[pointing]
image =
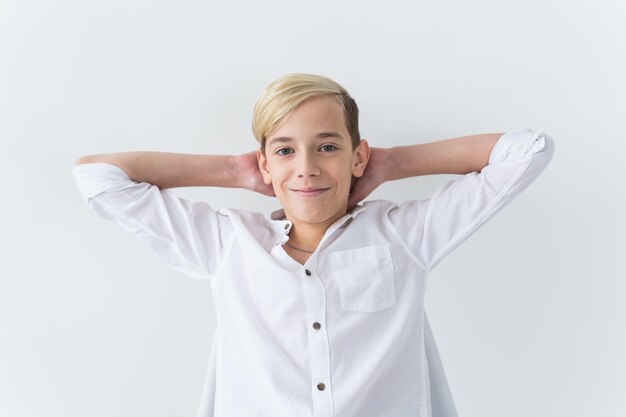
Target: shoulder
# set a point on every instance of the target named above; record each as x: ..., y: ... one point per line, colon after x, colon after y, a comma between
x: 246, y: 222
x: 384, y: 206
x: 246, y: 216
x: 410, y: 212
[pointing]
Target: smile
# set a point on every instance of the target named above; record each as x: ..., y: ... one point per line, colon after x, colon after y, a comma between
x: 312, y: 193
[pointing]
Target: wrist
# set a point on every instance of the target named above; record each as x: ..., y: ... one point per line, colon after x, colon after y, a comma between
x: 245, y: 172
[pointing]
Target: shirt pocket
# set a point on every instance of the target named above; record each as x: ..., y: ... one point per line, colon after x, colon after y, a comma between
x: 364, y: 278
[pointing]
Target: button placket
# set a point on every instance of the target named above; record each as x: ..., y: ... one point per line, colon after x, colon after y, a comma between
x: 319, y: 345
x: 316, y: 325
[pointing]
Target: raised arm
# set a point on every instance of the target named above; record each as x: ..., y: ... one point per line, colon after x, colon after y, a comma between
x: 433, y: 227
x: 171, y: 170
x: 131, y: 189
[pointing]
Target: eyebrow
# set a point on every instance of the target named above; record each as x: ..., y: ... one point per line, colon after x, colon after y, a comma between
x: 318, y: 136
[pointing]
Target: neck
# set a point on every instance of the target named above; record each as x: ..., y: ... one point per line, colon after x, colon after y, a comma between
x: 308, y: 235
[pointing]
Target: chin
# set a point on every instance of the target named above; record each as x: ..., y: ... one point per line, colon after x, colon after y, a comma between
x: 311, y: 217
x: 308, y: 217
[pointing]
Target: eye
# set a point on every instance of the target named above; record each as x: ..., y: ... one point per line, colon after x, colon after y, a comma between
x: 282, y: 149
x: 332, y: 146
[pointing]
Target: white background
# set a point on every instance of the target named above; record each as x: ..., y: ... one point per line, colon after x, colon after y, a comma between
x: 528, y: 314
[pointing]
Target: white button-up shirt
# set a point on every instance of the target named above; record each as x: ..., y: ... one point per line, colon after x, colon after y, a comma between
x: 346, y: 333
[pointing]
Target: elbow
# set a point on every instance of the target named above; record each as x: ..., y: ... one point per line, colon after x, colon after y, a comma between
x: 83, y: 160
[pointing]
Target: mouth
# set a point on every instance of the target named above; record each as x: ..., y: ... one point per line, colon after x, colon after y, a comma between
x: 310, y: 192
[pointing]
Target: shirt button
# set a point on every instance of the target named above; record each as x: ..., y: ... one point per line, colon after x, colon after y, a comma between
x: 307, y: 272
x: 286, y: 226
x: 316, y: 326
x: 321, y: 386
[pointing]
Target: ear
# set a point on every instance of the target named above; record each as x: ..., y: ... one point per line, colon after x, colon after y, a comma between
x: 360, y: 158
x: 262, y: 160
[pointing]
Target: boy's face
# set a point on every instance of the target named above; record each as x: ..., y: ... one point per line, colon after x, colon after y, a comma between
x: 313, y: 160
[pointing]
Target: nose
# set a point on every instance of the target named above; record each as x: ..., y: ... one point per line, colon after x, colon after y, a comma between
x: 307, y: 165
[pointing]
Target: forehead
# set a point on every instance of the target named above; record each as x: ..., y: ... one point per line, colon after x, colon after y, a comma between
x: 312, y: 117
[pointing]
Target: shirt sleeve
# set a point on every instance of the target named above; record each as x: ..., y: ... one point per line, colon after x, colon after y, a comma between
x: 189, y: 236
x: 432, y: 228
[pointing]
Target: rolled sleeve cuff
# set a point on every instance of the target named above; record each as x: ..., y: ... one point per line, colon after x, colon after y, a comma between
x: 96, y: 177
x: 517, y: 143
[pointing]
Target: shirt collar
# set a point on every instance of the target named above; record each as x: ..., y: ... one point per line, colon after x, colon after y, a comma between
x: 283, y: 226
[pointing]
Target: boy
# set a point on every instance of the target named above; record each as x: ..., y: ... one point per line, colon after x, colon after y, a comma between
x: 319, y: 308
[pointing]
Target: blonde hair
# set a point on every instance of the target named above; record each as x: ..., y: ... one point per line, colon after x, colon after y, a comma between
x: 284, y: 94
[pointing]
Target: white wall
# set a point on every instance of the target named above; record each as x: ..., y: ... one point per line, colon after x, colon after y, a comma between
x: 528, y: 313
